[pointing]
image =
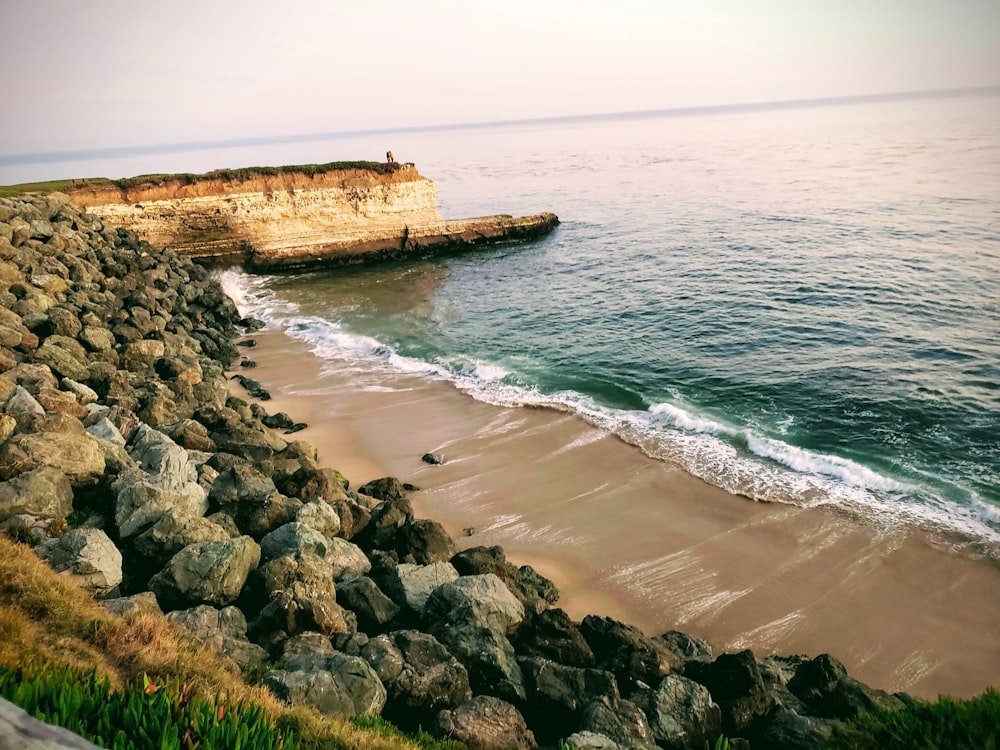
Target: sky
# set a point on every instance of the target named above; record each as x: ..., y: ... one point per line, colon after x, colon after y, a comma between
x: 105, y: 73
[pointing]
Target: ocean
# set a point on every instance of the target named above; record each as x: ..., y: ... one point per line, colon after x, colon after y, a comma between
x: 798, y: 305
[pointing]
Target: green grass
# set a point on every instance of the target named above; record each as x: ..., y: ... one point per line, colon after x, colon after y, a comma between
x: 946, y: 724
x: 232, y: 175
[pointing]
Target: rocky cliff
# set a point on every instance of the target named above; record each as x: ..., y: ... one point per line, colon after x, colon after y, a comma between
x: 292, y: 217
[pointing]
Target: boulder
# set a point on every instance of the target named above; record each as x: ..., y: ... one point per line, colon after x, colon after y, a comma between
x: 142, y: 602
x: 339, y: 686
x: 481, y: 599
x: 551, y: 634
x: 790, y: 731
x: 388, y: 489
x: 619, y: 720
x: 174, y: 531
x: 300, y: 596
x: 320, y: 516
x: 410, y: 585
x: 224, y: 631
x: 24, y: 408
x: 557, y: 695
x: 61, y: 361
x: 592, y: 741
x: 534, y: 590
x: 347, y: 559
x: 421, y: 677
x: 23, y: 732
x: 61, y: 402
x: 32, y: 377
x: 423, y: 542
x: 685, y: 646
x: 486, y: 654
x: 43, y: 492
x: 486, y: 723
x: 206, y: 573
x: 824, y: 685
x: 88, y: 556
x: 625, y: 651
x: 736, y: 685
x: 141, y: 503
x: 293, y: 539
x: 681, y: 714
x: 78, y: 456
x: 83, y: 394
x: 362, y: 596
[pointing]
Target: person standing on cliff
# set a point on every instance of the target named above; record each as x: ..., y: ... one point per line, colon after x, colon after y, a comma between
x: 389, y: 157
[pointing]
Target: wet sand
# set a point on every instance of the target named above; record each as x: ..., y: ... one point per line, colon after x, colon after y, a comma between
x: 640, y: 540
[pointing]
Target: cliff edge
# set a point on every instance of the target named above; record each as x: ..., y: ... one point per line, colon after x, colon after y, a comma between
x: 271, y: 218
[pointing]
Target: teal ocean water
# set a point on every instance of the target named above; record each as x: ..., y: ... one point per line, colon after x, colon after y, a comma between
x: 799, y: 305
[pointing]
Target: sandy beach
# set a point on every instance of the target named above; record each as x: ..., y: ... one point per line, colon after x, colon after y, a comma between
x: 643, y: 541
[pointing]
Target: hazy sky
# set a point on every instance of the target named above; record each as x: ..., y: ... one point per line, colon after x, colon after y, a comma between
x: 103, y: 73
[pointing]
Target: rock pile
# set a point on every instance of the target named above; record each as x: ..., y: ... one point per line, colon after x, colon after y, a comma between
x: 115, y: 414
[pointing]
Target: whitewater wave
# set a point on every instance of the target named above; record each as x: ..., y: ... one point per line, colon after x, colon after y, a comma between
x: 768, y: 470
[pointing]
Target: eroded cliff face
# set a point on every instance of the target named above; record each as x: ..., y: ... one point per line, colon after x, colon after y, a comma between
x: 294, y: 217
x: 211, y: 217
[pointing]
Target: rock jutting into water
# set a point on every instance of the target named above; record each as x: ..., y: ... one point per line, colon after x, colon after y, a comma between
x: 296, y: 217
x: 114, y: 406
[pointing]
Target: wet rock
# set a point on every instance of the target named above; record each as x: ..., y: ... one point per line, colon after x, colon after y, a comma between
x: 824, y: 685
x: 432, y: 458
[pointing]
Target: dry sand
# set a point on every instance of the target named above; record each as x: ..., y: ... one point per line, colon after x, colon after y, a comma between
x: 643, y: 541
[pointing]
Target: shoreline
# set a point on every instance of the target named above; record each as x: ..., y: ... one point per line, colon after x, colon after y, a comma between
x: 633, y: 538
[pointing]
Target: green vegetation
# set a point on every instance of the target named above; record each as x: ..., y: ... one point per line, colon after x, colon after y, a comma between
x: 141, y: 716
x: 232, y: 175
x: 946, y: 724
x: 49, y: 627
x: 420, y: 737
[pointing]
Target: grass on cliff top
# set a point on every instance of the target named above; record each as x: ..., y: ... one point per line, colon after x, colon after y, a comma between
x: 47, y: 621
x: 232, y: 175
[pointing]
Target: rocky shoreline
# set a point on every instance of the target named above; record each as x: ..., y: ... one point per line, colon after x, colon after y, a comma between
x: 116, y: 415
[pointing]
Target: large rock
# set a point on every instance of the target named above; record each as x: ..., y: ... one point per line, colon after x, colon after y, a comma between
x: 423, y: 542
x: 535, y: 591
x: 43, y: 492
x: 486, y: 723
x: 24, y: 407
x: 420, y: 675
x: 551, y: 634
x: 19, y: 731
x: 736, y: 685
x: 142, y: 503
x: 339, y: 685
x: 62, y: 361
x: 681, y: 714
x: 348, y: 560
x: 320, y: 516
x: 557, y: 695
x: 824, y: 685
x: 620, y: 720
x: 293, y: 539
x: 88, y: 556
x: 223, y: 630
x: 411, y: 585
x: 486, y: 654
x: 174, y: 531
x: 206, y: 573
x: 483, y: 599
x: 77, y: 455
x: 364, y: 598
x: 300, y: 596
x: 625, y: 651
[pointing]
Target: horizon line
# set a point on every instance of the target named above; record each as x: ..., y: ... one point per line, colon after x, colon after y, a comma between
x: 93, y: 154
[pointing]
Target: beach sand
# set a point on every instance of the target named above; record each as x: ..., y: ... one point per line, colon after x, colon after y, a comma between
x: 640, y: 540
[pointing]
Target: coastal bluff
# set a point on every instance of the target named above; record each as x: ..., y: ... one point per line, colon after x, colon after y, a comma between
x: 278, y: 218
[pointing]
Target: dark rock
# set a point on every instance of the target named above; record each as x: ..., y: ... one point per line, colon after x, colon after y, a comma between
x: 421, y: 677
x: 553, y: 635
x: 251, y: 323
x: 247, y: 363
x: 279, y: 421
x: 388, y: 489
x: 534, y: 591
x: 432, y: 458
x: 557, y: 694
x: 824, y: 685
x: 247, y: 343
x: 790, y: 731
x: 423, y: 542
x: 625, y: 651
x: 362, y: 596
x: 681, y: 713
x: 736, y: 685
x: 253, y: 387
x: 685, y: 646
x: 620, y: 720
x: 486, y: 723
x: 339, y: 686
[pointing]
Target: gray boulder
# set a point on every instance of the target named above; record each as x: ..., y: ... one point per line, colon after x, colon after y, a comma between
x: 224, y: 631
x: 557, y: 695
x: 206, y: 573
x: 19, y: 731
x: 364, y: 598
x: 420, y: 675
x: 483, y: 599
x: 587, y: 740
x: 104, y: 429
x: 320, y: 516
x: 486, y: 723
x: 88, y: 556
x: 681, y: 714
x: 339, y: 686
x: 486, y: 654
x: 411, y: 585
x: 23, y: 407
x: 293, y: 539
x: 174, y: 531
x: 142, y: 503
x: 347, y: 559
x: 43, y: 492
x: 619, y: 720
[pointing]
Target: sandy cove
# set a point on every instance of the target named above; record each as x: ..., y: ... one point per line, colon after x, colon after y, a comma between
x: 640, y: 540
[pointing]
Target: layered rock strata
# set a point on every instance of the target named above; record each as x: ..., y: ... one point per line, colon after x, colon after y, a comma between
x: 288, y: 219
x: 115, y: 412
